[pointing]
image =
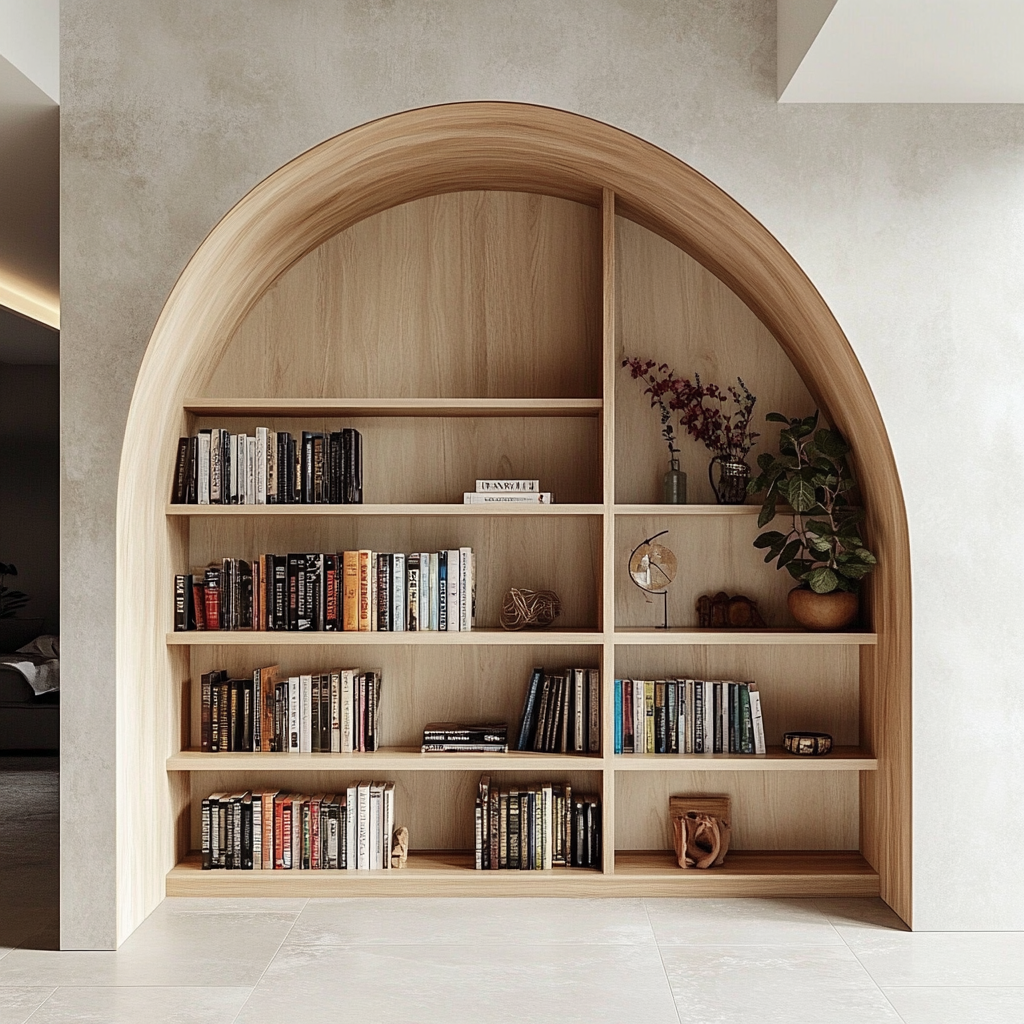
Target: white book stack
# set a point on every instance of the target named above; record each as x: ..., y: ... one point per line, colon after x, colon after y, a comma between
x: 516, y: 492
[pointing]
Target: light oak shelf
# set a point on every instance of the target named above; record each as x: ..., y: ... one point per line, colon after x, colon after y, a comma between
x: 385, y: 759
x: 412, y: 759
x: 410, y: 509
x: 637, y: 873
x: 747, y: 637
x: 425, y: 638
x: 438, y: 407
x: 688, y: 510
x: 841, y: 759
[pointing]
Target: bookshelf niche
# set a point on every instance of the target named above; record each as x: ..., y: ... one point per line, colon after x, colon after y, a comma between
x: 472, y: 323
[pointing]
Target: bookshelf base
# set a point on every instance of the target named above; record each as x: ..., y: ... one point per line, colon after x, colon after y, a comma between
x: 637, y: 873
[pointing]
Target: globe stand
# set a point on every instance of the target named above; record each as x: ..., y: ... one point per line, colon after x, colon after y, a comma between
x: 652, y: 571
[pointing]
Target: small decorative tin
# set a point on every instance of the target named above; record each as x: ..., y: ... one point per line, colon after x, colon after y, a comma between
x: 807, y: 743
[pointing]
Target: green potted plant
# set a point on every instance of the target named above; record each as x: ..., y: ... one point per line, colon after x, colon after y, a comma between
x: 823, y: 550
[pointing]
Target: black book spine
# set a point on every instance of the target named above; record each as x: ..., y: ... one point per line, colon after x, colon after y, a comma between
x: 306, y: 467
x: 179, y: 487
x: 248, y: 711
x: 579, y: 836
x: 672, y: 715
x: 181, y: 585
x: 280, y: 700
x: 314, y: 715
x: 325, y: 713
x: 442, y: 591
x: 531, y: 831
x: 280, y: 604
x: 282, y: 462
x: 335, y: 467
x: 225, y: 467
x: 319, y: 470
x: 247, y: 833
x: 207, y: 835
x: 293, y: 591
x: 660, y: 734
x: 513, y: 831
x: 235, y: 725
x: 357, y: 468
x: 347, y: 457
x: 192, y: 486
x: 526, y: 726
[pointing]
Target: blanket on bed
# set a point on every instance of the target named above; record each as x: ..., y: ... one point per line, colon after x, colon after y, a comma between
x: 38, y: 662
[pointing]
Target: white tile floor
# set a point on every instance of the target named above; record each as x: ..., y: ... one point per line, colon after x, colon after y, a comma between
x: 531, y: 960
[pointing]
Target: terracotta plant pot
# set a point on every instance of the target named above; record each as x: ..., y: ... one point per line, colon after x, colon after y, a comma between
x: 823, y: 612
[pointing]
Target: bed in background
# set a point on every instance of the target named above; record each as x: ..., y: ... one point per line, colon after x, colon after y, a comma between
x: 30, y: 697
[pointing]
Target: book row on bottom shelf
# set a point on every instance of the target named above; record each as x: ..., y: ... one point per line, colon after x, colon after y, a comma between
x: 216, y: 467
x: 535, y: 827
x: 279, y: 830
x: 687, y: 716
x: 354, y: 591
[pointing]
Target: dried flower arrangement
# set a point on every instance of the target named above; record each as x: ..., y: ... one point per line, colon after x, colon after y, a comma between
x: 702, y: 408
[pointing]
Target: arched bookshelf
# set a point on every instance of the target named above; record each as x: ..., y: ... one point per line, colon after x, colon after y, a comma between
x: 460, y: 282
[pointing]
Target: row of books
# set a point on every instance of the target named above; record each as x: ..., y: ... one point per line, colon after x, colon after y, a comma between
x: 687, y: 716
x: 329, y: 712
x: 562, y: 712
x: 216, y: 467
x: 535, y: 827
x: 465, y: 738
x: 516, y: 492
x: 350, y: 590
x: 277, y: 830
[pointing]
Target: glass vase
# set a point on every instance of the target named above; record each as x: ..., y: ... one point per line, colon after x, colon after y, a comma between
x: 674, y: 486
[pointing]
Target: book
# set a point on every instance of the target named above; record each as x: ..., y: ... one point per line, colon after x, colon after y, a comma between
x: 506, y: 486
x: 528, y: 721
x: 507, y: 497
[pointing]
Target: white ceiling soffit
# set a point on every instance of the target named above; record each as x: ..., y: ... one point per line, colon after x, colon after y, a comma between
x: 30, y: 40
x: 29, y: 198
x: 901, y: 51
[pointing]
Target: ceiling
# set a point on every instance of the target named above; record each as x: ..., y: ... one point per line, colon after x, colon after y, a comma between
x: 900, y: 51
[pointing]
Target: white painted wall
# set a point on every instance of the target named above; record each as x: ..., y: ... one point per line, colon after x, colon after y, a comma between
x: 910, y: 221
x: 901, y: 51
x: 30, y: 40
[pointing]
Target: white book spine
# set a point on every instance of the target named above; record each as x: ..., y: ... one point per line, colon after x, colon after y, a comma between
x: 547, y: 833
x: 424, y: 591
x: 484, y: 486
x: 351, y: 818
x: 306, y: 714
x: 232, y: 474
x: 242, y: 444
x: 689, y: 716
x: 639, y: 723
x: 203, y: 469
x: 335, y: 712
x: 398, y: 593
x: 250, y: 470
x: 271, y: 466
x: 452, y: 596
x: 755, y: 714
x: 216, y: 466
x: 681, y: 715
x: 465, y: 594
x: 257, y: 832
x: 389, y: 822
x: 363, y: 826
x: 293, y: 715
x: 376, y: 826
x: 507, y: 498
x: 261, y: 465
x: 434, y: 594
x: 346, y: 711
x: 709, y: 718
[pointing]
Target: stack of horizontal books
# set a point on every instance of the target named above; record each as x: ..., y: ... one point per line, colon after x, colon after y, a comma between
x: 508, y: 492
x: 462, y: 738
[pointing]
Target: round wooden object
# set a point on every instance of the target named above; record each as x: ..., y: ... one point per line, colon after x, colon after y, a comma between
x: 823, y: 612
x: 529, y: 609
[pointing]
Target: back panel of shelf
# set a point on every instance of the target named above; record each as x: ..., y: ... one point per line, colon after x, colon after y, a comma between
x: 471, y: 294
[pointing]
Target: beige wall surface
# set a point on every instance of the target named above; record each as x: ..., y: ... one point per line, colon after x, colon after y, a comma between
x: 907, y: 218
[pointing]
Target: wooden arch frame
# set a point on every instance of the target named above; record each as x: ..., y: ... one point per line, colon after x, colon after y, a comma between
x: 479, y: 145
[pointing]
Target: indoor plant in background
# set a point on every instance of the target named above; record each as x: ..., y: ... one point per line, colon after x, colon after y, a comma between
x: 703, y: 409
x: 823, y: 551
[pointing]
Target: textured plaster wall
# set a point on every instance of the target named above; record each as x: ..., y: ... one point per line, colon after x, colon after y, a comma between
x: 910, y: 220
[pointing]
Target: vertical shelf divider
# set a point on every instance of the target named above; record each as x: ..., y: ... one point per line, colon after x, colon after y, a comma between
x: 608, y: 527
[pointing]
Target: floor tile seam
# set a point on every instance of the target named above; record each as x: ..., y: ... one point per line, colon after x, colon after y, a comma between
x: 966, y: 988
x: 280, y: 946
x: 874, y: 981
x: 661, y: 959
x: 49, y: 996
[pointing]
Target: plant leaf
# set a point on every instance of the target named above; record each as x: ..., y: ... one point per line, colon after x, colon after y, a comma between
x: 800, y: 494
x: 776, y: 417
x: 767, y: 514
x: 789, y: 552
x: 766, y: 540
x: 823, y: 580
x: 831, y: 444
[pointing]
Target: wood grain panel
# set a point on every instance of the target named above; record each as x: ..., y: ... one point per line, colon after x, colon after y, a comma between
x: 674, y: 311
x: 418, y: 684
x: 464, y: 295
x: 771, y: 810
x: 559, y: 553
x: 438, y: 459
x: 813, y: 688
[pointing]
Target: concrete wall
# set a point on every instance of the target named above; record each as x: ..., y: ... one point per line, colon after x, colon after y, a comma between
x: 910, y: 220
